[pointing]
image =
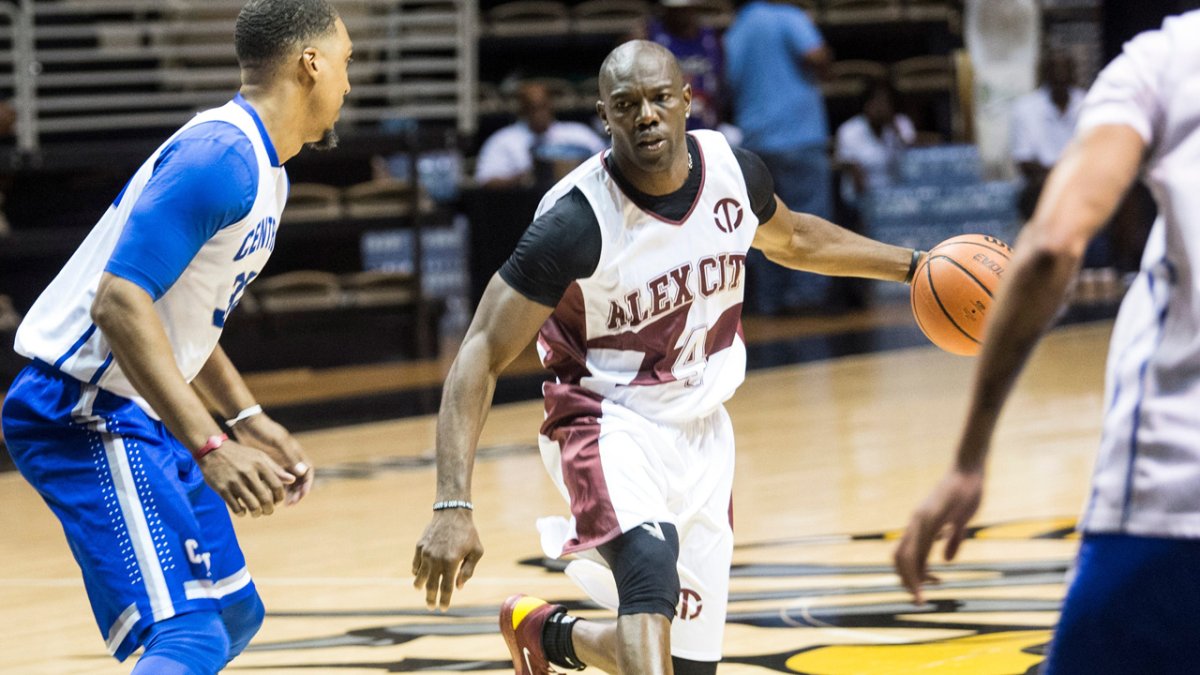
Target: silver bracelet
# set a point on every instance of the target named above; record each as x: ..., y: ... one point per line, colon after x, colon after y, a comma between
x: 244, y: 415
x: 453, y: 504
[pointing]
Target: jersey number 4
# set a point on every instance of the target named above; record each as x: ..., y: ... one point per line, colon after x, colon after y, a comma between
x: 693, y: 358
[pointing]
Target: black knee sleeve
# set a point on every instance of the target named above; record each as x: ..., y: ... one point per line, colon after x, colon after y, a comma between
x: 688, y: 667
x: 643, y: 563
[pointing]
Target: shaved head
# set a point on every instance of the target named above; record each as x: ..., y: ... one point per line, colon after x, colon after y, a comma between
x: 644, y: 103
x: 624, y: 63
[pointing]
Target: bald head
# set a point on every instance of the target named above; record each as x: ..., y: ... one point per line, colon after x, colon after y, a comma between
x: 635, y: 59
x: 644, y: 103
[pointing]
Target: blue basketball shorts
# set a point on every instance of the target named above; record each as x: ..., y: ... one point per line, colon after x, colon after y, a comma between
x: 151, y: 538
x: 1132, y: 607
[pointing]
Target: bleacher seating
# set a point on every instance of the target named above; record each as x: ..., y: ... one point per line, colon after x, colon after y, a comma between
x: 378, y: 198
x: 851, y: 77
x: 525, y: 18
x: 608, y: 16
x: 860, y: 11
x: 140, y: 68
x: 718, y: 13
x: 312, y: 201
x: 940, y: 194
x: 923, y: 74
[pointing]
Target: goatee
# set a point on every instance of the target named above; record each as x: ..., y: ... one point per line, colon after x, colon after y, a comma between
x: 328, y: 141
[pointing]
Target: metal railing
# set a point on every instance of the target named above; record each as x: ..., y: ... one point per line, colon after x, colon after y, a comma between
x: 79, y: 67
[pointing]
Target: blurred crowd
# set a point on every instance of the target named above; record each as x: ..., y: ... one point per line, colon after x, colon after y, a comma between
x: 759, y: 82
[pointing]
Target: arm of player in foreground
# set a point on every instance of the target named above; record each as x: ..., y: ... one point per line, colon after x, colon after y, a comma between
x: 245, y: 478
x: 1080, y: 196
x: 806, y: 242
x: 222, y: 386
x: 504, y: 324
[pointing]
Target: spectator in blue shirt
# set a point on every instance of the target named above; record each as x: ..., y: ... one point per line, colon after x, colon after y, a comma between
x: 775, y: 58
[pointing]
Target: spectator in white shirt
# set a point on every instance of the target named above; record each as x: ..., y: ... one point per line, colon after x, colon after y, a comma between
x: 1043, y: 122
x: 869, y: 144
x: 507, y: 158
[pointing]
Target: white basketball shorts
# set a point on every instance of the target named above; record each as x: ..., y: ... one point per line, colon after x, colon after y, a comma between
x: 618, y: 470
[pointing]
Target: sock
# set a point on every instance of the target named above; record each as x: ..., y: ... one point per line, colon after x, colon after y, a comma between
x: 242, y: 620
x: 186, y: 644
x: 159, y: 665
x: 556, y: 641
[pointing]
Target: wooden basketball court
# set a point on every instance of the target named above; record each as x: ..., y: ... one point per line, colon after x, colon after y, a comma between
x: 833, y: 456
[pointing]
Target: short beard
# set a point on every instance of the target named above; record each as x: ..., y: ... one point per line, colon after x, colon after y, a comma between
x: 329, y: 141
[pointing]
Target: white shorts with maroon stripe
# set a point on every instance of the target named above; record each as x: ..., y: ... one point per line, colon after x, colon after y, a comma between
x: 619, y: 470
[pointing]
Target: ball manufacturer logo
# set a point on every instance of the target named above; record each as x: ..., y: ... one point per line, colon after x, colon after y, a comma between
x: 690, y: 604
x: 727, y: 214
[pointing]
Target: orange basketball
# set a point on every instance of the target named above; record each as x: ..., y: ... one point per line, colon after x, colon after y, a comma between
x: 952, y: 290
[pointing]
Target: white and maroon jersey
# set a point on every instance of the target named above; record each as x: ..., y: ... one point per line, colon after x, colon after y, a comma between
x: 1147, y: 478
x: 647, y: 290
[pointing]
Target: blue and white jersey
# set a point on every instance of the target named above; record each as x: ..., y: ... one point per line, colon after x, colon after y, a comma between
x: 1147, y: 478
x: 193, y: 227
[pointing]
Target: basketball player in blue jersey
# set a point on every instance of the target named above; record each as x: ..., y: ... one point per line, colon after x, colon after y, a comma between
x: 632, y: 277
x: 109, y: 421
x: 1133, y: 605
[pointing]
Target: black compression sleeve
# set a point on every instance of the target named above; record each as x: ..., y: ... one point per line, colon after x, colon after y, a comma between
x: 759, y: 184
x: 559, y: 247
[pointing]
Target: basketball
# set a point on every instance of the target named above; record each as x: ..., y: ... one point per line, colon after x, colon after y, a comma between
x: 953, y: 288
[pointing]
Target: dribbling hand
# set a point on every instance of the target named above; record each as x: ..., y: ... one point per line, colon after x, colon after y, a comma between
x: 945, y: 512
x: 446, y: 556
x: 247, y: 479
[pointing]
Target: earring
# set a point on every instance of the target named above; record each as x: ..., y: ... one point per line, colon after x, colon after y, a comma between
x: 607, y: 131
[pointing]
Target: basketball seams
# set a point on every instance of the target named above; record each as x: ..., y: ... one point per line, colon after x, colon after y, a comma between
x: 936, y: 298
x: 1007, y: 254
x: 941, y: 293
x: 965, y: 271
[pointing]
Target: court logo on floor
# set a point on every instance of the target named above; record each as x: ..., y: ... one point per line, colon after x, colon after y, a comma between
x: 798, y: 612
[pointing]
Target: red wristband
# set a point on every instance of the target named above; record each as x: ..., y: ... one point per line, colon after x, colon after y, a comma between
x: 211, y: 444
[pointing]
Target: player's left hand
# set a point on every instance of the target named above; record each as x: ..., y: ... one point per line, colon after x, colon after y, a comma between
x: 264, y: 433
x: 945, y: 512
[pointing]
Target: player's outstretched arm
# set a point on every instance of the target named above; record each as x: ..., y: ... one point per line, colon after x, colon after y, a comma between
x: 504, y: 324
x: 221, y: 385
x: 806, y: 242
x: 1080, y: 195
x: 246, y: 479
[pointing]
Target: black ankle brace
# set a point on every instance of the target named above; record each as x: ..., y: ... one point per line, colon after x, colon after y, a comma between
x: 556, y: 641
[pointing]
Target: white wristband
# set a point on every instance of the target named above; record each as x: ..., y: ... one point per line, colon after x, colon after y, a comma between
x: 244, y: 415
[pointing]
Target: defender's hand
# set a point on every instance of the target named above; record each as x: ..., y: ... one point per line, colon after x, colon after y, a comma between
x: 446, y: 556
x: 247, y: 479
x: 945, y: 512
x: 267, y: 435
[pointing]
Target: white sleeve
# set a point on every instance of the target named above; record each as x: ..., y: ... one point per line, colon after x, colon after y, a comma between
x: 1021, y: 131
x: 494, y: 159
x: 908, y: 132
x: 1127, y: 91
x: 844, y: 144
x: 588, y: 138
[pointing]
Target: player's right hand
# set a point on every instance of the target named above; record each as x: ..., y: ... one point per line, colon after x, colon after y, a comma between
x: 246, y: 478
x: 446, y: 556
x: 945, y: 513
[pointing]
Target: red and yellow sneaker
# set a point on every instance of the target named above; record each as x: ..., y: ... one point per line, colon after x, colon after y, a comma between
x: 521, y: 621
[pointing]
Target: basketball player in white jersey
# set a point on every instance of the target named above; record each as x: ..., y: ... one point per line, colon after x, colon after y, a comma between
x: 632, y: 277
x: 1133, y: 605
x: 109, y: 421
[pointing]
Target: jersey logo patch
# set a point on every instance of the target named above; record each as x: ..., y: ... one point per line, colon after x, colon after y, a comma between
x: 727, y: 214
x: 690, y: 604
